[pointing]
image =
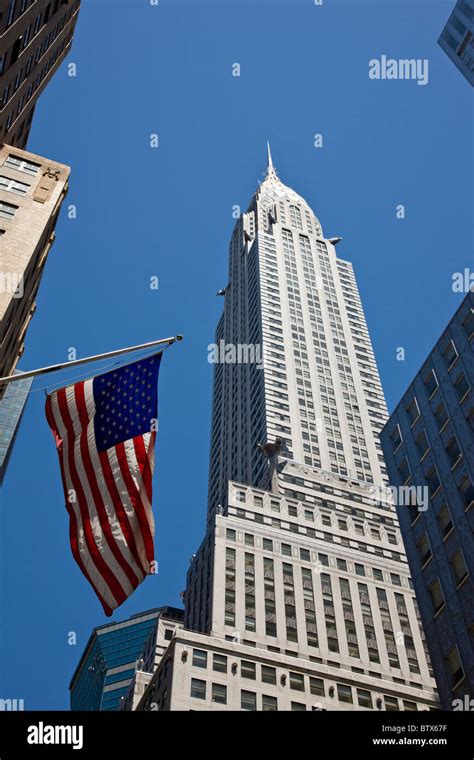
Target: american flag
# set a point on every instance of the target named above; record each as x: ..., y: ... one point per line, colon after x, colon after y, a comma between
x: 105, y: 430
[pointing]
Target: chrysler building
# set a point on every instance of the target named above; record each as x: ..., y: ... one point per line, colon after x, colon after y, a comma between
x: 299, y: 597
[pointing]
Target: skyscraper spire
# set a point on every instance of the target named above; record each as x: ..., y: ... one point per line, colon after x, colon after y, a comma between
x: 270, y: 168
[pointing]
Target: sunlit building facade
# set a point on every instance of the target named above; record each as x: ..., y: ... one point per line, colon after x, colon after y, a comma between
x: 300, y: 595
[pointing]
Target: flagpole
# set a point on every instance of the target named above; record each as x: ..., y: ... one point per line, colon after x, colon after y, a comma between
x: 87, y: 359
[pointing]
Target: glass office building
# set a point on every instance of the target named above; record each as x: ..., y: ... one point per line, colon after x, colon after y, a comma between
x: 108, y: 663
x: 12, y: 406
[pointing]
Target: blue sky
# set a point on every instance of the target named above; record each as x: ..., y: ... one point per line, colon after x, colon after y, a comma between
x: 167, y: 212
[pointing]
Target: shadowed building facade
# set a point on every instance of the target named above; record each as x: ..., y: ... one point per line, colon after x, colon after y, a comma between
x: 429, y: 441
x: 35, y: 38
x: 457, y: 38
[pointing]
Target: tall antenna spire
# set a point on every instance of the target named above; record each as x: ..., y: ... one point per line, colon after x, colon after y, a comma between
x: 270, y: 168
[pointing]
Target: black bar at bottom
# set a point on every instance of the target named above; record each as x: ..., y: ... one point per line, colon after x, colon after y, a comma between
x: 118, y: 734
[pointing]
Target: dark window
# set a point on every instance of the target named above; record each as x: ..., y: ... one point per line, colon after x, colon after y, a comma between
x: 453, y: 451
x: 219, y: 663
x: 461, y: 385
x: 344, y: 693
x: 297, y: 681
x: 219, y: 693
x: 455, y: 668
x: 248, y: 700
x: 413, y: 411
x: 437, y: 598
x: 316, y: 686
x: 441, y: 415
x: 404, y: 471
x: 396, y: 437
x: 199, y: 658
x: 433, y: 481
x: 459, y: 567
x: 269, y: 704
x: 11, y: 12
x: 198, y: 688
x: 424, y: 549
x: 450, y: 354
x: 422, y: 444
x: 247, y: 669
x: 467, y: 491
x: 268, y: 674
x: 431, y: 383
x: 445, y: 522
x: 364, y: 698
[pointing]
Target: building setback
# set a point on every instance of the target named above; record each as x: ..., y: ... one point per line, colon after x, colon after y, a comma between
x: 429, y: 441
x: 299, y: 596
x: 457, y: 38
x: 32, y: 189
x: 35, y: 37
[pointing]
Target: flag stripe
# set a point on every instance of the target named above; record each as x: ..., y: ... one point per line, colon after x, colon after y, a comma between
x: 136, y: 500
x: 117, y: 501
x: 76, y: 398
x: 121, y: 528
x: 111, y: 456
x: 73, y: 524
x: 91, y: 507
x: 85, y: 541
x: 143, y: 458
x: 95, y: 552
x: 134, y: 465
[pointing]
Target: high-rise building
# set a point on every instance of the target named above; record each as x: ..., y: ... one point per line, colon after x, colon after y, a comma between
x: 300, y: 595
x: 32, y: 190
x: 429, y: 443
x: 12, y: 406
x: 35, y: 37
x: 457, y: 38
x: 116, y: 654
